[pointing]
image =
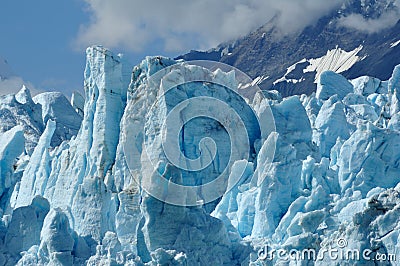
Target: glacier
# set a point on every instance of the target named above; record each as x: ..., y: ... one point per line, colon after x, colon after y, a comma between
x: 97, y: 182
x: 33, y: 113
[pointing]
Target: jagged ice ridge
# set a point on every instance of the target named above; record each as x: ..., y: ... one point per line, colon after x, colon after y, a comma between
x: 70, y: 198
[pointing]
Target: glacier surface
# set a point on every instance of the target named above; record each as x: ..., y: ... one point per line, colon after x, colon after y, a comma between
x: 325, y: 176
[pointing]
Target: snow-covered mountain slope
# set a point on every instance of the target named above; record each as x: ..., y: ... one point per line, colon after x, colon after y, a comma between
x: 332, y: 178
x: 292, y: 62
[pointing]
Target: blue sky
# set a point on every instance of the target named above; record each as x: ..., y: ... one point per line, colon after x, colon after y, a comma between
x: 44, y: 41
x: 38, y: 39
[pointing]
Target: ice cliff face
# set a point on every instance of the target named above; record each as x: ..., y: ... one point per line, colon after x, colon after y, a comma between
x: 33, y: 113
x: 325, y: 174
x: 55, y: 106
x: 19, y: 109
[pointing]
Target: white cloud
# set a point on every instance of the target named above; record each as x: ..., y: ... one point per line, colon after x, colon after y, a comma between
x: 180, y: 25
x: 358, y: 22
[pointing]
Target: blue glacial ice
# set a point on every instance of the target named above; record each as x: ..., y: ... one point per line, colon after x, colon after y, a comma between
x: 326, y: 174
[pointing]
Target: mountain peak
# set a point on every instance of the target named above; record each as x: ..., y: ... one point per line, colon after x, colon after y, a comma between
x: 369, y: 8
x: 358, y: 37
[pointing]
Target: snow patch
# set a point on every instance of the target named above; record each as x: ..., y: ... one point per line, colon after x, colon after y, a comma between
x: 394, y: 44
x: 258, y: 80
x: 337, y: 60
x: 288, y: 71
